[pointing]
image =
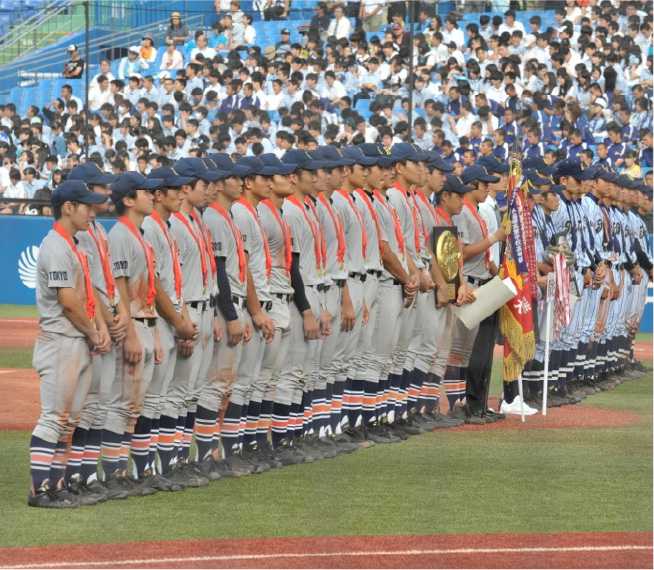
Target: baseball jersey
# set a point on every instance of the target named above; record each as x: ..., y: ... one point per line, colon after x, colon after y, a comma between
x: 57, y: 268
x: 363, y: 201
x: 595, y: 221
x: 335, y: 241
x: 306, y: 239
x: 390, y: 227
x: 398, y: 197
x: 617, y: 235
x: 470, y: 231
x: 158, y: 232
x: 130, y: 260
x: 428, y: 221
x: 280, y: 245
x: 228, y: 244
x: 192, y: 256
x: 95, y: 244
x: 255, y: 244
x: 543, y: 232
x: 356, y: 235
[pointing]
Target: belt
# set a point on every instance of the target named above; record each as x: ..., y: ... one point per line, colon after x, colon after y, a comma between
x: 266, y: 305
x: 213, y: 301
x: 397, y: 282
x: 202, y: 305
x: 238, y: 301
x: 322, y: 287
x: 360, y: 276
x: 340, y: 283
x: 288, y: 297
x: 147, y: 321
x: 477, y: 281
x: 376, y: 272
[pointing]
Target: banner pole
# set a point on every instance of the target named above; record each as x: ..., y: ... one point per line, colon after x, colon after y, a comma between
x: 549, y: 296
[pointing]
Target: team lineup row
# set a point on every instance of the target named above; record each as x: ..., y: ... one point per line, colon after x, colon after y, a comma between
x: 275, y: 312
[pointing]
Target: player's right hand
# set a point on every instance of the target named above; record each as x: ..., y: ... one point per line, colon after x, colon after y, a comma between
x: 186, y: 330
x: 234, y: 332
x: 311, y: 326
x: 132, y: 349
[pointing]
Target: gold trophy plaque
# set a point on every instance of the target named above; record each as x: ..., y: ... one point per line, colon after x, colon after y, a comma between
x: 447, y: 254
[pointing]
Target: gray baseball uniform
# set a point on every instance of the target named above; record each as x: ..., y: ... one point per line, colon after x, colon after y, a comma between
x: 129, y: 261
x: 61, y: 353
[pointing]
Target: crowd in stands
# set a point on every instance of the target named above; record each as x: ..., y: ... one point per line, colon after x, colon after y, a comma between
x: 580, y: 89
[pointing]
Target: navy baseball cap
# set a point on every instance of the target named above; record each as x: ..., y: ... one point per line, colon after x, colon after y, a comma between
x: 356, y: 154
x: 330, y: 153
x: 384, y: 159
x: 193, y: 167
x: 535, y: 178
x: 75, y: 191
x: 568, y: 168
x: 455, y: 185
x: 590, y: 173
x: 493, y: 164
x: 131, y: 181
x: 607, y: 175
x: 557, y: 189
x: 405, y: 151
x: 434, y: 161
x: 303, y: 160
x: 170, y: 177
x: 256, y: 166
x: 225, y: 162
x: 479, y: 173
x: 271, y: 160
x: 319, y: 155
x: 90, y: 173
x: 624, y: 181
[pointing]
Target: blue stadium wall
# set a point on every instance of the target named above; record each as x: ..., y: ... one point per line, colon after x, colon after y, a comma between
x: 22, y: 235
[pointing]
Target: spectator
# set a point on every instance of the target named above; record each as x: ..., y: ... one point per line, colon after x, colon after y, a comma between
x: 132, y: 64
x: 14, y: 190
x: 274, y: 9
x: 100, y: 94
x: 74, y: 68
x: 202, y: 47
x: 373, y: 14
x: 340, y: 27
x: 148, y: 52
x: 178, y: 31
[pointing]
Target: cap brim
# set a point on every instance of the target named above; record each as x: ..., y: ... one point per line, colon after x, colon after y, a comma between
x: 366, y: 160
x: 285, y: 169
x: 152, y: 184
x: 489, y: 178
x: 442, y: 166
x: 177, y: 181
x: 386, y: 162
x: 102, y: 179
x: 240, y: 171
x: 94, y: 198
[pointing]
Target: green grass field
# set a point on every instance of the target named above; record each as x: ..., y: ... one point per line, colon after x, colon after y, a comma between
x: 541, y: 480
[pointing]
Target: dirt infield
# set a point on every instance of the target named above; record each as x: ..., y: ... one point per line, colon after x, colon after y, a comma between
x: 560, y: 550
x: 18, y: 333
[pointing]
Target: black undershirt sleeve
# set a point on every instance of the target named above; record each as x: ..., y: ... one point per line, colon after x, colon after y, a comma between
x: 641, y: 256
x: 299, y: 296
x: 224, y: 292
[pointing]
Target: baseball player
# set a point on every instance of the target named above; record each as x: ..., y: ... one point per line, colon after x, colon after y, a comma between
x: 396, y: 288
x: 353, y: 304
x: 174, y: 324
x: 309, y: 320
x: 477, y: 270
x: 435, y: 318
x: 82, y: 468
x: 408, y: 172
x: 70, y: 328
x: 195, y: 260
x: 127, y: 429
x: 286, y: 284
x: 234, y: 281
x: 329, y: 382
x: 256, y: 187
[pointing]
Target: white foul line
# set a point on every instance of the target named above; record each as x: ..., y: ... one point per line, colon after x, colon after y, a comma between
x: 302, y: 555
